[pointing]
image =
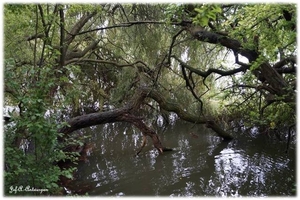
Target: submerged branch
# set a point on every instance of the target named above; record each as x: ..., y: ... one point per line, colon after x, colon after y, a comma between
x: 143, y: 144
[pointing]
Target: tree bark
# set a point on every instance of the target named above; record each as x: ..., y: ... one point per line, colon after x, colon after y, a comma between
x: 93, y: 119
x: 119, y: 115
x: 125, y: 114
x: 274, y: 79
x: 166, y: 103
x: 266, y: 71
x: 235, y: 45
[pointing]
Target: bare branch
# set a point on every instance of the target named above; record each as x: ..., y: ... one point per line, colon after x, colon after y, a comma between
x: 46, y: 31
x: 172, y: 44
x: 191, y: 89
x: 62, y: 48
x: 126, y: 24
x: 43, y: 19
x: 81, y: 60
x: 33, y: 37
x: 266, y: 70
x: 211, y: 70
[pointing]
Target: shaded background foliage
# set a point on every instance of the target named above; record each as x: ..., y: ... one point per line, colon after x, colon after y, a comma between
x: 67, y: 60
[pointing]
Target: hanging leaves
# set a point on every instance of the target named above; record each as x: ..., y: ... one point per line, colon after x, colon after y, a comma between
x: 205, y: 13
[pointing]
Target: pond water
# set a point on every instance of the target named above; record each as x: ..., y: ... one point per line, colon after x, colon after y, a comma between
x: 200, y: 165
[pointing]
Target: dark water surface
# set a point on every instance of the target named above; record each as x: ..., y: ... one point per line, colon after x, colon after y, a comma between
x: 200, y: 165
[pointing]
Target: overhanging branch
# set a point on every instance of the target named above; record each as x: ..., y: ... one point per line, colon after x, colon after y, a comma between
x: 235, y: 45
x: 126, y: 24
x: 191, y: 89
x: 126, y: 114
x: 172, y: 45
x: 85, y: 60
x: 211, y: 70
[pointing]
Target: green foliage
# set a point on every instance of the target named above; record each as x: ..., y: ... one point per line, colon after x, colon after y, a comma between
x: 125, y: 90
x: 262, y: 27
x: 251, y: 108
x: 205, y: 13
x: 45, y: 94
x: 256, y: 64
x: 174, y: 12
x: 33, y: 165
x: 75, y: 9
x: 31, y: 145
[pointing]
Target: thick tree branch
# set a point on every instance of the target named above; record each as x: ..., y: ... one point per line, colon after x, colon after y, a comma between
x: 289, y: 70
x: 78, y: 26
x: 93, y: 119
x: 211, y: 70
x: 269, y: 73
x: 167, y: 104
x: 118, y: 115
x: 125, y: 114
x: 285, y: 61
x: 33, y: 37
x: 225, y: 41
x: 145, y: 130
x: 79, y: 54
x: 274, y: 79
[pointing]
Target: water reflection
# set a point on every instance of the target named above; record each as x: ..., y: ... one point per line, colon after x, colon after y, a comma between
x: 198, y: 166
x: 231, y: 169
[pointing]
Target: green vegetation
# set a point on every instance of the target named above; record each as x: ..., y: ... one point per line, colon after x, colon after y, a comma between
x: 215, y: 64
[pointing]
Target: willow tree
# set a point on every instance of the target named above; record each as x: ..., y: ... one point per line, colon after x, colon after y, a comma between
x: 262, y: 40
x: 73, y: 66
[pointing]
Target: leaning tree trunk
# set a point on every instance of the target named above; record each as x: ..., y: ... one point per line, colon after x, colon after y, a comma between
x: 167, y: 104
x: 118, y: 115
x: 125, y: 114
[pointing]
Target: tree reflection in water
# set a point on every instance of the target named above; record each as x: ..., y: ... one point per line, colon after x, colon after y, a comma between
x: 203, y: 166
